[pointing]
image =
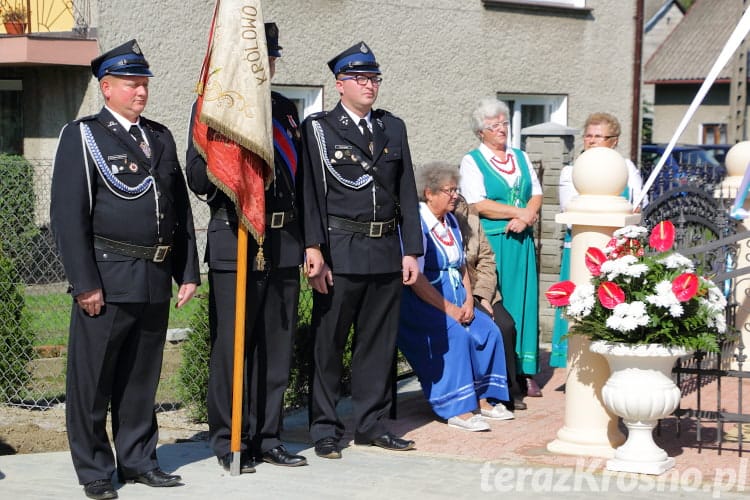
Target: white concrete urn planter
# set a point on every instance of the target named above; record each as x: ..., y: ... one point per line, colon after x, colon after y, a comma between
x: 640, y: 389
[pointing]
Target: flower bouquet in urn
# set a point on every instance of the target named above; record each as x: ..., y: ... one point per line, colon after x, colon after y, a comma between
x: 637, y: 296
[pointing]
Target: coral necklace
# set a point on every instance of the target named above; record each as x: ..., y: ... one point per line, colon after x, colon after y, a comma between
x: 502, y: 166
x: 447, y: 242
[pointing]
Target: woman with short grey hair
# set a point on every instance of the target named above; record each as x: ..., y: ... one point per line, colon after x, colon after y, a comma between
x: 500, y: 183
x: 456, y: 350
x: 433, y: 176
x: 487, y: 108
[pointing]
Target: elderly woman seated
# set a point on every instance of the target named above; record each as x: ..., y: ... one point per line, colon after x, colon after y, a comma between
x: 456, y: 351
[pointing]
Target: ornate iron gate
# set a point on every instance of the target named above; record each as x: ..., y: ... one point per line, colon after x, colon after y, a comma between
x: 706, y: 234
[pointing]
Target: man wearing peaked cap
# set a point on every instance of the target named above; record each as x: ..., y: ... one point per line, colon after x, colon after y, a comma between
x: 272, y: 295
x: 362, y: 238
x: 125, y: 60
x: 123, y: 227
x: 356, y: 59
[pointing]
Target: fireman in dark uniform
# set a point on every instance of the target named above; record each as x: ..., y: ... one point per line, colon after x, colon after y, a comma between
x: 123, y: 226
x: 359, y: 197
x: 271, y: 301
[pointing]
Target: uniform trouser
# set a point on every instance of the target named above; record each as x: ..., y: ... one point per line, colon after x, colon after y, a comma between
x: 114, y: 359
x: 372, y: 304
x: 270, y: 322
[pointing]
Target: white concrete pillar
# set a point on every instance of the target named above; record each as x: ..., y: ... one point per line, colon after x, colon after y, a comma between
x: 599, y: 175
x: 736, y: 161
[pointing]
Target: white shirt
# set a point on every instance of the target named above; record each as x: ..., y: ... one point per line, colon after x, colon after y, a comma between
x: 472, y: 180
x: 126, y: 124
x: 357, y: 118
x: 442, y: 231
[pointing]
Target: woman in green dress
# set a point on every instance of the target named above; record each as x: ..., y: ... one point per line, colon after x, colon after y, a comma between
x: 501, y: 184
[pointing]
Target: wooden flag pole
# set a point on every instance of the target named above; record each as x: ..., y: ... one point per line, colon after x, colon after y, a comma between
x: 239, y: 348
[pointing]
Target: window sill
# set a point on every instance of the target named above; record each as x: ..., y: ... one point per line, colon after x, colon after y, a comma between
x: 538, y: 6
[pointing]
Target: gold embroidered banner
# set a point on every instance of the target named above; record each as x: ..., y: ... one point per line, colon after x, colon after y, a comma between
x: 232, y: 128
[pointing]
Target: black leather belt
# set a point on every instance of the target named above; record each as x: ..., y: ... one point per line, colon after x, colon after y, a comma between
x: 373, y: 229
x: 274, y: 220
x: 156, y: 253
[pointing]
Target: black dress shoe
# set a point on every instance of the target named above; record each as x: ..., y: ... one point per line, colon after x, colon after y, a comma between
x: 155, y: 478
x: 389, y: 442
x: 514, y: 405
x: 328, y: 447
x: 247, y: 466
x: 100, y: 489
x: 279, y: 456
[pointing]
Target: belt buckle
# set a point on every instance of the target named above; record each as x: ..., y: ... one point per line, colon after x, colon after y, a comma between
x: 161, y: 253
x: 277, y: 220
x: 376, y: 233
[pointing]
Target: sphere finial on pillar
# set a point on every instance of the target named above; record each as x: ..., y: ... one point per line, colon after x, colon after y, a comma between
x: 737, y: 159
x: 600, y: 175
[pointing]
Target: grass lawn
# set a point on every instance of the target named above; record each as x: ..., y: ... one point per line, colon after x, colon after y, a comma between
x: 48, y: 313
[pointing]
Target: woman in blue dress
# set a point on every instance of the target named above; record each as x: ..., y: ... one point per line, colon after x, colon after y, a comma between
x: 456, y: 351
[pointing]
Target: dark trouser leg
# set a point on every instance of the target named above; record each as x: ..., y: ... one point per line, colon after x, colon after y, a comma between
x: 138, y: 369
x: 274, y: 336
x: 507, y: 326
x: 372, y: 358
x: 331, y: 320
x: 88, y: 382
x: 221, y: 364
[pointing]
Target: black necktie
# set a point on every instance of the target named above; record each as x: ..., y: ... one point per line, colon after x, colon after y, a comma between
x: 135, y: 131
x: 366, y: 132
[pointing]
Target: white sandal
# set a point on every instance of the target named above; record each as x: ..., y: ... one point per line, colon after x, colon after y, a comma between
x: 498, y: 412
x: 474, y: 424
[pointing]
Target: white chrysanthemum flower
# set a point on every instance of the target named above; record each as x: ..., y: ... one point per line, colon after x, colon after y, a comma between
x: 614, y: 268
x: 582, y: 301
x: 721, y: 323
x: 677, y: 261
x: 630, y: 232
x: 627, y: 317
x: 666, y: 298
x: 716, y: 300
x: 676, y: 310
x: 636, y: 270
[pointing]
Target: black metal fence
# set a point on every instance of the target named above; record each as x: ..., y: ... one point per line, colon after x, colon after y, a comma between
x: 691, y: 197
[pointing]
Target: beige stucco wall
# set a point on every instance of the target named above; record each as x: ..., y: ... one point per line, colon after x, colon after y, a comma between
x: 438, y: 57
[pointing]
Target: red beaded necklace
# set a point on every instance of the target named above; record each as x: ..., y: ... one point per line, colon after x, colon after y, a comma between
x: 502, y: 166
x: 449, y: 242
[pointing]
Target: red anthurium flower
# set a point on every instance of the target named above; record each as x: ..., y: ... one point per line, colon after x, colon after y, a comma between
x: 662, y: 236
x: 610, y: 294
x: 594, y: 260
x: 685, y: 286
x: 559, y: 293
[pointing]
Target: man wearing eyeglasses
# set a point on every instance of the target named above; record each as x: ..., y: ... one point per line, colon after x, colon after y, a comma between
x: 362, y: 238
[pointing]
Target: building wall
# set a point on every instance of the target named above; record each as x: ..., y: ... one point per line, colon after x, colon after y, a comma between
x: 672, y: 102
x: 438, y: 57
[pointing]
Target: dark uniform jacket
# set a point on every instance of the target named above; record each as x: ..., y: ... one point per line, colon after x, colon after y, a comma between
x: 118, y: 201
x: 282, y: 246
x: 336, y: 163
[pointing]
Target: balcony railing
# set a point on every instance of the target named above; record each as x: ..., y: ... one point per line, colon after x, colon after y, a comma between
x: 21, y: 17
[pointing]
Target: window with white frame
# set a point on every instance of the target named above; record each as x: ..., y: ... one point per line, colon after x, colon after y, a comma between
x: 532, y: 109
x: 713, y: 133
x: 308, y: 100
